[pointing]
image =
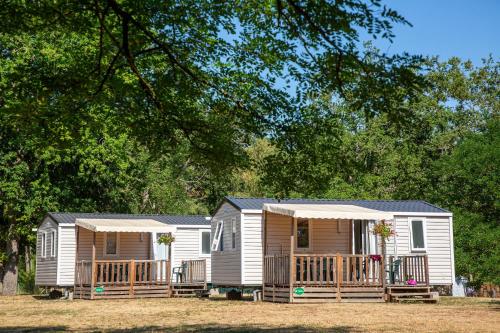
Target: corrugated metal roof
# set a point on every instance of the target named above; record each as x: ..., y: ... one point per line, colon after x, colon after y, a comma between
x: 414, y: 206
x: 69, y: 218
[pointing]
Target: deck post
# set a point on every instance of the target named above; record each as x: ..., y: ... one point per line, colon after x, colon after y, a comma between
x: 205, y: 273
x: 339, y: 275
x: 292, y: 261
x: 169, y: 270
x: 93, y: 277
x: 382, y: 272
x: 78, y: 272
x: 426, y: 267
x: 264, y: 246
x: 131, y: 277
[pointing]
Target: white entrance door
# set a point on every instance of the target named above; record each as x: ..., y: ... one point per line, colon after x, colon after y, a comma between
x: 160, y: 252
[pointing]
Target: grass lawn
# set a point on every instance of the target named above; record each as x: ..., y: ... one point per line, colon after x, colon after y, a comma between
x: 29, y: 314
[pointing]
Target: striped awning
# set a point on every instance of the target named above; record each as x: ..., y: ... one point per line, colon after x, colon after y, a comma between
x: 349, y: 212
x: 124, y: 225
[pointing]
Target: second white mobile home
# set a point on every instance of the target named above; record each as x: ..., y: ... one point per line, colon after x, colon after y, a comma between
x: 421, y: 229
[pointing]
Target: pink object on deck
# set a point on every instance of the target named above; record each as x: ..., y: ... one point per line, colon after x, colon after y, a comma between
x: 411, y: 282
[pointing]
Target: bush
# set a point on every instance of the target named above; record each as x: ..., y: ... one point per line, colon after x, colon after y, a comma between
x: 26, y: 283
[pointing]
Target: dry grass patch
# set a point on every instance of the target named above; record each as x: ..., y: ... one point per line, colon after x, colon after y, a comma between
x: 25, y: 313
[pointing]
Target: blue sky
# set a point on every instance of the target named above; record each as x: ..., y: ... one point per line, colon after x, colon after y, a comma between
x: 446, y: 28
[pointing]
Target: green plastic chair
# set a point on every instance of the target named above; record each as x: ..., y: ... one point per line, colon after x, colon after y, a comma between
x: 394, y: 271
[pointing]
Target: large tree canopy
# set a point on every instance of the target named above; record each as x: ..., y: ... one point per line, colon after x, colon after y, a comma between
x: 209, y: 72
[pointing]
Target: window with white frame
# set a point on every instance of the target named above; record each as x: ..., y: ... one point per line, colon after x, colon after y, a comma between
x: 53, y: 243
x: 204, y: 242
x: 418, y: 234
x: 43, y: 245
x: 217, y: 241
x: 111, y: 244
x: 303, y: 232
x: 233, y: 234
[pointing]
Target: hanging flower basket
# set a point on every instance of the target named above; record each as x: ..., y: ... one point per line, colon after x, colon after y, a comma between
x: 384, y: 229
x: 375, y: 257
x: 166, y: 239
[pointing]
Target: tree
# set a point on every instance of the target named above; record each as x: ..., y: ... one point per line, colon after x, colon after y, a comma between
x: 212, y: 80
x: 470, y: 179
x: 82, y: 78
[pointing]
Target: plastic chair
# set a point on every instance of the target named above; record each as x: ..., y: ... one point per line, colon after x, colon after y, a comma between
x: 394, y: 271
x: 179, y: 272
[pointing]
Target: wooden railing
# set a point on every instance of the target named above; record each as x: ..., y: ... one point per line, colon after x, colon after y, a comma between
x: 316, y: 269
x: 122, y: 272
x: 277, y: 270
x: 195, y: 271
x: 345, y: 270
x: 362, y: 270
x: 401, y: 269
x: 83, y: 273
x: 329, y: 269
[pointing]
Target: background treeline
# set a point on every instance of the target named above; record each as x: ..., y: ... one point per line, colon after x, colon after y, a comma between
x: 115, y: 106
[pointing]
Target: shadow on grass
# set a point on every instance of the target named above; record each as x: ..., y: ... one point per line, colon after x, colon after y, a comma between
x: 189, y: 328
x: 43, y: 298
x: 496, y: 305
x: 223, y: 298
x: 19, y: 329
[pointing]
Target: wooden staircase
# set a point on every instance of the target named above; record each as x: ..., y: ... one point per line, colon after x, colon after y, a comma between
x: 399, y: 294
x: 189, y: 290
x: 346, y: 295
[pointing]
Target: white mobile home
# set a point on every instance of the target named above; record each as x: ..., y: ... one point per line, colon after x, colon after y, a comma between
x: 422, y: 230
x: 56, y: 250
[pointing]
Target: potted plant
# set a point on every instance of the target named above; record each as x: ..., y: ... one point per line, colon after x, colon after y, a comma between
x: 166, y: 239
x: 385, y: 231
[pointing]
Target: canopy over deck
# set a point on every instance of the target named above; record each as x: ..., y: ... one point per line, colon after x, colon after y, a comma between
x: 124, y: 225
x: 327, y: 211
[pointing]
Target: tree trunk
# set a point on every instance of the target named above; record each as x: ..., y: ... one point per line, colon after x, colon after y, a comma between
x: 10, y: 268
x: 27, y: 258
x: 1, y: 277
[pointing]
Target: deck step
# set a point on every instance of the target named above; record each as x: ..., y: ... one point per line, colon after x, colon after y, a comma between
x: 405, y: 288
x: 409, y: 294
x: 362, y: 300
x: 410, y: 299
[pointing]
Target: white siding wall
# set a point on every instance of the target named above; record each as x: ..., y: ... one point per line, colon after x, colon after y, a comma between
x: 187, y: 247
x: 438, y: 244
x: 252, y: 249
x: 46, y: 268
x: 66, y: 255
x: 226, y: 265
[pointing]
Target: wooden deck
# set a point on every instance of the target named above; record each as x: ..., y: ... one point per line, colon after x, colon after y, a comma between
x: 100, y: 279
x: 319, y: 278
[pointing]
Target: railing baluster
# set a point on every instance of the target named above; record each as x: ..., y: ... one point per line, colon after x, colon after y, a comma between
x: 366, y: 262
x: 348, y: 269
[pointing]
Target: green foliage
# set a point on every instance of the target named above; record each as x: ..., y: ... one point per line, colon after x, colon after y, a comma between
x: 27, y: 283
x: 470, y: 175
x: 384, y: 230
x: 470, y: 180
x: 445, y: 152
x: 166, y: 239
x: 477, y: 250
